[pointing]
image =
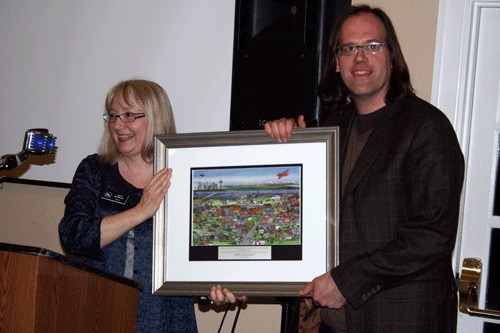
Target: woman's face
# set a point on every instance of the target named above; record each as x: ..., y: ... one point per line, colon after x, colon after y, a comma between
x: 128, y: 137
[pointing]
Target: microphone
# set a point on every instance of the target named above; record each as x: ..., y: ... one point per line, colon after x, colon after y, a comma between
x: 37, y: 141
x: 204, y: 301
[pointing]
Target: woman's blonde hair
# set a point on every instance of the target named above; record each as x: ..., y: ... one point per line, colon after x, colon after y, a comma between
x: 150, y: 98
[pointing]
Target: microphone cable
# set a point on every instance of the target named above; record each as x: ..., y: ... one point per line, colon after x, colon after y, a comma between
x: 240, y: 303
x: 236, y: 317
x: 224, y: 317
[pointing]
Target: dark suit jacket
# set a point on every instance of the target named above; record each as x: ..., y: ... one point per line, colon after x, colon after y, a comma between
x: 398, y: 221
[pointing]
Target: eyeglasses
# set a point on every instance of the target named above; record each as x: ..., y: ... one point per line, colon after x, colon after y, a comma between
x: 351, y: 49
x: 126, y: 117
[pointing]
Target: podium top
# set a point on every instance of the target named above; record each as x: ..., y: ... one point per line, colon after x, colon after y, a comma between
x: 37, y: 251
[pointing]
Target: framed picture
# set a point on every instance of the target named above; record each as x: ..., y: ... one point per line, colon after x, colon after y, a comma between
x: 256, y: 216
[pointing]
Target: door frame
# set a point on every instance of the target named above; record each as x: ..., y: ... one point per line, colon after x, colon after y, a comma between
x: 455, y: 64
x: 453, y: 77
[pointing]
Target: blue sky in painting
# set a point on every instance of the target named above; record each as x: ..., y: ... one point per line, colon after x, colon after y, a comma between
x: 249, y: 175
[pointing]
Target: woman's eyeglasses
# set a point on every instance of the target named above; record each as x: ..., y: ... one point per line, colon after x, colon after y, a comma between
x: 126, y: 117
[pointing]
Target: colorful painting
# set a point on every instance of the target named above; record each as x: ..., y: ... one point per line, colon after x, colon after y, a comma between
x: 246, y: 206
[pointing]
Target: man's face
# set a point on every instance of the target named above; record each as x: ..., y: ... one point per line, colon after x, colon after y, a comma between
x: 367, y: 76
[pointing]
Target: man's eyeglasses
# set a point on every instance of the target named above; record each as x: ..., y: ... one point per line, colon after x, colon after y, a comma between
x: 351, y: 49
x: 126, y: 117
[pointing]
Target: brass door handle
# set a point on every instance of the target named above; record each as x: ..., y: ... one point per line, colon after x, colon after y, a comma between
x: 468, y: 289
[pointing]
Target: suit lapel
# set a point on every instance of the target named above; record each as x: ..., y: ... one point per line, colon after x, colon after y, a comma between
x: 377, y: 140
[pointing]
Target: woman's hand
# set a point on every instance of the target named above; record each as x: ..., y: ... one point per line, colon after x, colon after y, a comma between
x: 220, y: 296
x: 113, y: 226
x: 153, y: 193
x: 282, y: 129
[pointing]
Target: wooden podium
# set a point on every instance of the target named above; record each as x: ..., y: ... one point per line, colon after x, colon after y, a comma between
x: 43, y: 291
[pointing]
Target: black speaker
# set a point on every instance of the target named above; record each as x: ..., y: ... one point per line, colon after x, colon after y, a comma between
x: 279, y: 52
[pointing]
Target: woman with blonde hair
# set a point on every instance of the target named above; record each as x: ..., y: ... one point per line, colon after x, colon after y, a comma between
x: 114, y: 195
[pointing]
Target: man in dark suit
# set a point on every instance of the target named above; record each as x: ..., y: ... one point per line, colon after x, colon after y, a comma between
x: 401, y: 180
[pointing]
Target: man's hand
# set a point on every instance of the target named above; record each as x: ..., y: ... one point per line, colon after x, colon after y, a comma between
x: 325, y: 292
x: 281, y: 129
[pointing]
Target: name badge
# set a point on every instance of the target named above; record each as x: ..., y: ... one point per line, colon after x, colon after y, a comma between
x: 114, y: 197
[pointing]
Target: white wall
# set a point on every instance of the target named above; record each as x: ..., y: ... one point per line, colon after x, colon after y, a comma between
x: 58, y: 59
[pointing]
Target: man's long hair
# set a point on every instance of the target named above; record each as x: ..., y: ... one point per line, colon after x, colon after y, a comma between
x: 332, y: 89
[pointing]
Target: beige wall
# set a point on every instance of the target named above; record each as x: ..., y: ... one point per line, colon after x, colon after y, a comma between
x: 29, y: 214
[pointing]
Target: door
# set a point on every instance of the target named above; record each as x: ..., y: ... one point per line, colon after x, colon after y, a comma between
x: 467, y: 89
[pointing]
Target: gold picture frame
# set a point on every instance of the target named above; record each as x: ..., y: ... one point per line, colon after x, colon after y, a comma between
x: 239, y: 233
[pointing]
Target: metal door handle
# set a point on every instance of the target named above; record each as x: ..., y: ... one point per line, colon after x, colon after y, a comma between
x: 468, y: 289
